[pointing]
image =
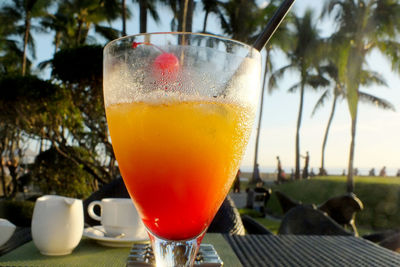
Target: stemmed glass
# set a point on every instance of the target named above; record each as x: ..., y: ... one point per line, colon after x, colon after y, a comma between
x: 180, y: 108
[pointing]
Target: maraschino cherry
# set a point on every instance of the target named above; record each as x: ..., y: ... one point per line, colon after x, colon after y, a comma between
x: 165, y: 66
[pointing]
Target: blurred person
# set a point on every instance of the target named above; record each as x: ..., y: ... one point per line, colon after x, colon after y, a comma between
x: 236, y: 183
x: 306, y: 165
x: 382, y: 173
x: 292, y: 174
x: 256, y: 174
x: 279, y: 169
x: 372, y: 172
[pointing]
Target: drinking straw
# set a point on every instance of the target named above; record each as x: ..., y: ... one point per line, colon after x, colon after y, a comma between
x: 273, y: 24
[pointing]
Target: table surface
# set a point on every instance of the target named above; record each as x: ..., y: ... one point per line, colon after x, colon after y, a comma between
x: 295, y: 250
x: 235, y: 251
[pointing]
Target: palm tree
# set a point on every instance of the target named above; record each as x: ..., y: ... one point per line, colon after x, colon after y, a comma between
x: 303, y: 59
x: 26, y: 10
x: 81, y: 16
x: 280, y: 40
x: 331, y: 71
x: 116, y: 9
x: 70, y: 33
x: 124, y: 9
x: 183, y: 14
x: 338, y: 91
x: 240, y: 19
x: 363, y: 26
x: 209, y: 6
x: 146, y: 6
x: 74, y: 19
x: 10, y: 52
x: 58, y: 23
x: 243, y: 20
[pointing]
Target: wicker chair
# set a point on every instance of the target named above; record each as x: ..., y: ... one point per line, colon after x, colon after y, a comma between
x: 306, y: 220
x: 342, y: 209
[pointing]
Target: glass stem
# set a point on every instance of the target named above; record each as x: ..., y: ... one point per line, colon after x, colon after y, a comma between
x: 171, y: 253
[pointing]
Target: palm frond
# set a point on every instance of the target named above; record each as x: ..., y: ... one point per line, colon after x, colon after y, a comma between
x: 45, y: 64
x: 368, y: 78
x: 330, y: 69
x: 391, y: 50
x: 321, y: 101
x: 294, y: 87
x: 107, y: 32
x: 224, y: 24
x: 12, y: 46
x: 317, y: 81
x: 376, y: 101
x: 329, y: 6
x: 385, y: 19
x: 39, y: 29
x: 151, y: 8
x: 32, y: 45
x: 276, y: 75
x: 11, y: 13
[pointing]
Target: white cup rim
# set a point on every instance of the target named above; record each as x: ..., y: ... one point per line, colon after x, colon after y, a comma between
x: 116, y: 199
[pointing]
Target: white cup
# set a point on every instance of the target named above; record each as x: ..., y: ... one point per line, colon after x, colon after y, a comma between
x: 119, y: 216
x: 57, y: 224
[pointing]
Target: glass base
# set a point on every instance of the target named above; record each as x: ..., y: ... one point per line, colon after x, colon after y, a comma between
x: 171, y: 253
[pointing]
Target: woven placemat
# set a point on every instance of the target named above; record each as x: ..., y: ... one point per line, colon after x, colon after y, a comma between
x: 294, y: 250
x: 89, y: 253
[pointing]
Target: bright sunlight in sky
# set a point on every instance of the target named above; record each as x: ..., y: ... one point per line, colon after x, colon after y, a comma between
x: 378, y: 131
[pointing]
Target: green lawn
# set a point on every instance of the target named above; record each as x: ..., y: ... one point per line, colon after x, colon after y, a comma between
x: 380, y: 196
x: 272, y: 225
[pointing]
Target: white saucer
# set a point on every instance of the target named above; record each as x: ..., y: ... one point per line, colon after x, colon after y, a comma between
x: 97, y: 233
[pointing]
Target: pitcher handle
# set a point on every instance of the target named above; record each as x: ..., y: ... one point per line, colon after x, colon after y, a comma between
x: 91, y: 212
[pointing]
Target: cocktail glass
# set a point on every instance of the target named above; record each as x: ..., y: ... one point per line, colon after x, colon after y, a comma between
x: 180, y: 108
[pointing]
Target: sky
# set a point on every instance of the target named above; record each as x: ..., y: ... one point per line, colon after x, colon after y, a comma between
x: 378, y: 131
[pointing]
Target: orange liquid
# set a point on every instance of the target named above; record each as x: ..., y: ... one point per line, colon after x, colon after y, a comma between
x: 178, y: 160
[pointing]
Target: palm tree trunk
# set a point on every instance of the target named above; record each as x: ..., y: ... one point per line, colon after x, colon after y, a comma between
x: 79, y: 32
x: 185, y: 16
x: 123, y: 18
x: 143, y: 16
x: 12, y: 169
x: 350, y: 178
x: 57, y: 40
x: 260, y: 115
x: 27, y: 30
x: 297, y: 171
x: 322, y: 170
x: 189, y: 16
x: 205, y: 21
x: 86, y: 31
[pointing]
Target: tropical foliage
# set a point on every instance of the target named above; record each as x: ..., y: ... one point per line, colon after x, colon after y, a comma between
x: 363, y: 26
x: 303, y: 58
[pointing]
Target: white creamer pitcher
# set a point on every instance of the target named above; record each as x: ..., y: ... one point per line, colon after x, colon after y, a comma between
x: 57, y: 224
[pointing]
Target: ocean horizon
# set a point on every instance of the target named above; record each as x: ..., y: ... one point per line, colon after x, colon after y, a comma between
x: 331, y: 171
